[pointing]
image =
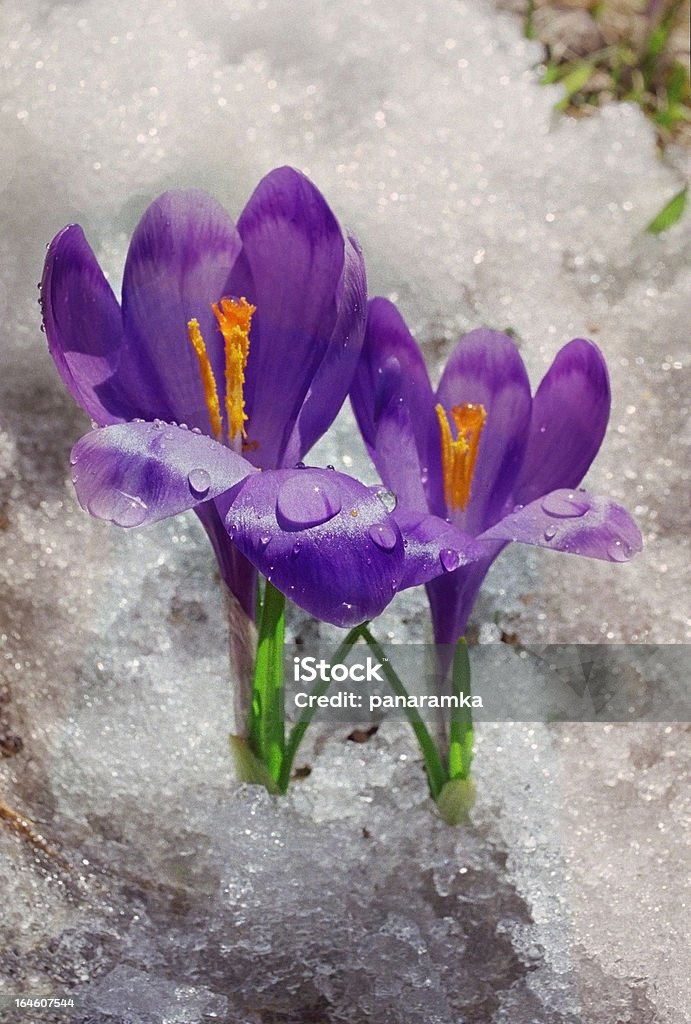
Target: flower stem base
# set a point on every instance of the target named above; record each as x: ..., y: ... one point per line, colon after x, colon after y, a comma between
x: 248, y: 767
x: 456, y: 800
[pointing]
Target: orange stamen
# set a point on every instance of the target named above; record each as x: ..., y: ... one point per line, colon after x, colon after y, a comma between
x: 459, y: 456
x: 234, y: 318
x: 208, y: 379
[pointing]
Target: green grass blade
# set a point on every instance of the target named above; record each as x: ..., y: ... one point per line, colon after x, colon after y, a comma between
x: 670, y: 213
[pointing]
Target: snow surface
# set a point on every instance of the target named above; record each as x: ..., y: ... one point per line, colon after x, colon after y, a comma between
x: 168, y: 892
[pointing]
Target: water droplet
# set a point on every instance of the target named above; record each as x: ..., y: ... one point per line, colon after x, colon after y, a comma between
x: 138, y: 419
x: 264, y: 540
x: 550, y: 533
x: 332, y: 468
x: 300, y: 465
x: 449, y: 559
x: 119, y: 508
x: 564, y: 505
x: 296, y: 547
x: 517, y: 508
x: 386, y: 497
x: 199, y: 482
x: 159, y: 424
x: 383, y: 535
x: 196, y: 430
x: 183, y: 426
x: 619, y: 551
x: 306, y: 500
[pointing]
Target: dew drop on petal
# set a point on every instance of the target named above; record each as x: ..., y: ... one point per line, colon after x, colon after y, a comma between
x: 264, y: 540
x: 386, y: 497
x: 199, y: 482
x: 122, y: 509
x: 449, y: 559
x: 306, y: 500
x: 299, y: 465
x: 296, y: 547
x: 550, y: 533
x: 383, y: 535
x: 618, y: 551
x: 132, y: 512
x: 564, y: 506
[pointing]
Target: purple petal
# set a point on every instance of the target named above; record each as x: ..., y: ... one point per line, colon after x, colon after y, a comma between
x: 568, y: 421
x: 433, y: 547
x: 290, y: 267
x: 486, y: 369
x: 394, y: 406
x: 451, y: 599
x: 334, y: 375
x: 178, y: 264
x: 137, y: 473
x: 322, y: 538
x: 239, y: 575
x: 83, y: 326
x: 573, y: 521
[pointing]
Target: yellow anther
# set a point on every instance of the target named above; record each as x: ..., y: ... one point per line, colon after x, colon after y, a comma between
x: 208, y: 379
x: 234, y: 318
x: 458, y: 456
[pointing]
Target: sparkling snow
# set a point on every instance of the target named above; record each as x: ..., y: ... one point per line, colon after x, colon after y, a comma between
x: 152, y: 887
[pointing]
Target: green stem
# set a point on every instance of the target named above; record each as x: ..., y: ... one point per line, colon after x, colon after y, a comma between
x: 300, y: 728
x: 265, y: 727
x: 461, y: 728
x: 436, y: 773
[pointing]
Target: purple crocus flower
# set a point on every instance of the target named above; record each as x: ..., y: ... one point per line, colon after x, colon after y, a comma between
x: 481, y: 452
x: 322, y: 538
x: 249, y: 333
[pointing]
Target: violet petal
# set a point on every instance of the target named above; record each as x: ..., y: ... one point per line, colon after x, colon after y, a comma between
x: 575, y: 522
x: 394, y: 405
x: 333, y: 377
x: 137, y: 473
x: 486, y: 369
x: 452, y: 595
x: 338, y: 554
x: 83, y: 326
x: 568, y: 421
x: 433, y: 547
x: 290, y: 266
x: 178, y: 264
